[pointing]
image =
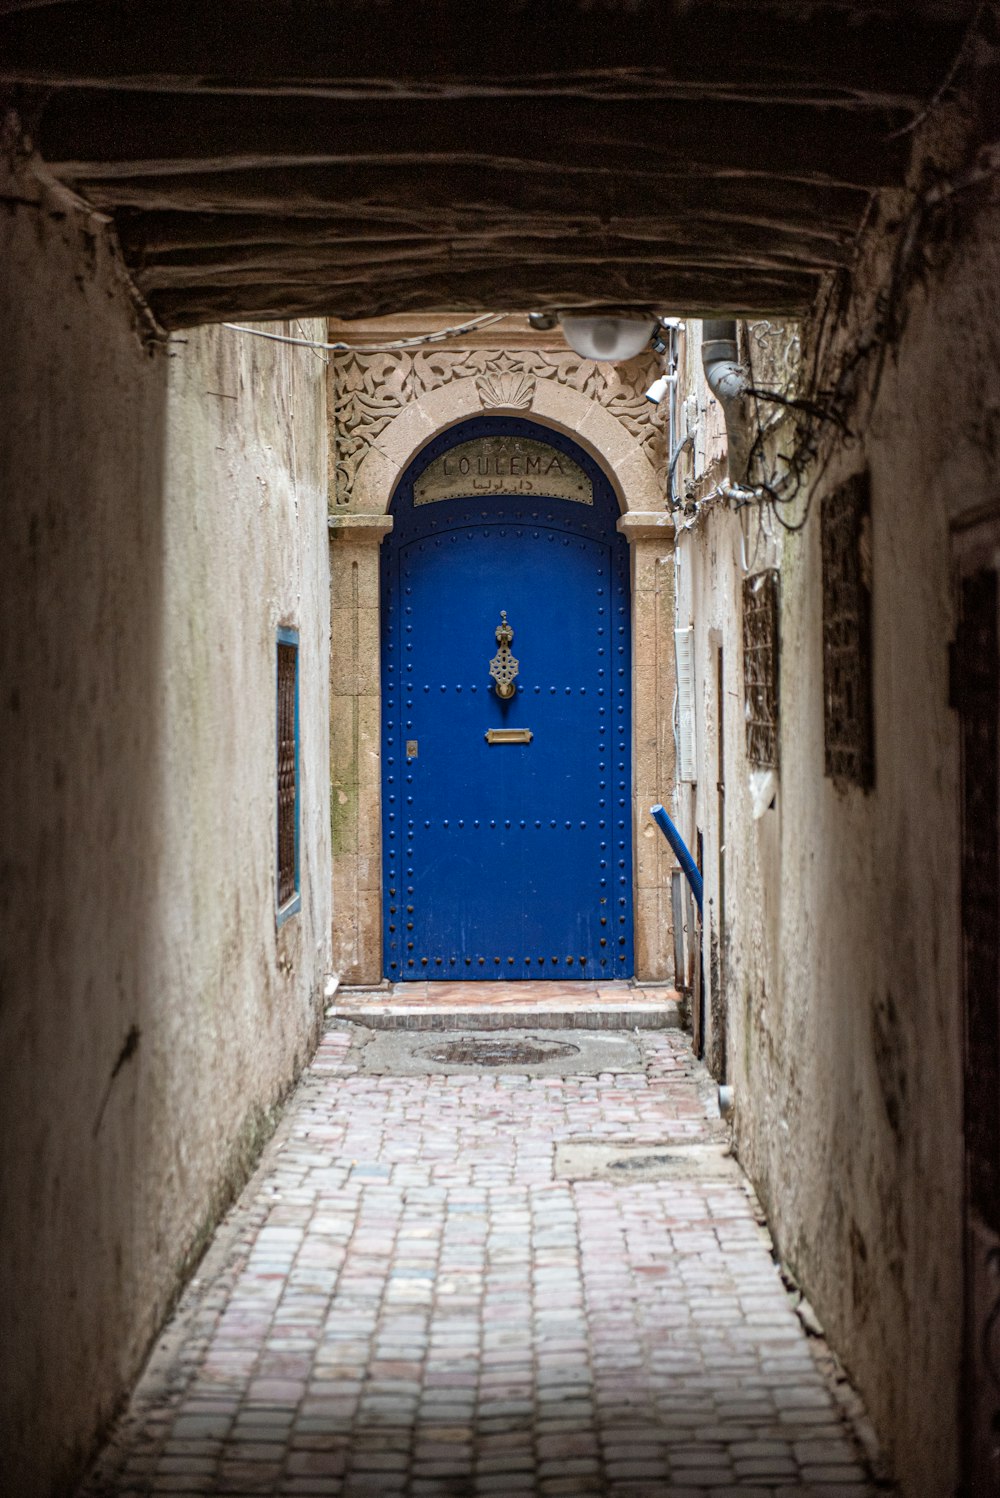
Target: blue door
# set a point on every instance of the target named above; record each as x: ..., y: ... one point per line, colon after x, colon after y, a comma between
x: 506, y: 796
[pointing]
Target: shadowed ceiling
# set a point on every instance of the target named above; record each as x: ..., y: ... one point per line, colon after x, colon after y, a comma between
x: 361, y: 157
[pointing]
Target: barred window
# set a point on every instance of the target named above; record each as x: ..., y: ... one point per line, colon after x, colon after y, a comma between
x: 847, y: 645
x: 760, y: 667
x: 288, y: 773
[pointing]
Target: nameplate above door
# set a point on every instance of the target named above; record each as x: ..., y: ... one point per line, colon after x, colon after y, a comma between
x: 503, y: 465
x: 509, y: 735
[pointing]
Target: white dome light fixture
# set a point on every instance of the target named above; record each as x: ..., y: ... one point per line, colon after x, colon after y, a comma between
x: 608, y: 336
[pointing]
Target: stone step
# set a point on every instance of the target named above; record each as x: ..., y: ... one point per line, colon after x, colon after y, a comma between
x: 509, y: 1006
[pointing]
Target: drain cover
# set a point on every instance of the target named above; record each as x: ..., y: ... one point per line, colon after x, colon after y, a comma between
x: 595, y: 1160
x: 503, y: 1051
x: 643, y: 1162
x: 468, y: 1053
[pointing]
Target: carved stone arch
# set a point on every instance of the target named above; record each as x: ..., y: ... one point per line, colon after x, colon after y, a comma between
x: 359, y: 521
x: 638, y: 487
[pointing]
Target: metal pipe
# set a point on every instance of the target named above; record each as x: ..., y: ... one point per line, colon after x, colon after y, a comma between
x: 683, y: 852
x: 729, y: 382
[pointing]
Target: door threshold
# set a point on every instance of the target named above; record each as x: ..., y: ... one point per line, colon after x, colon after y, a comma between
x: 510, y: 1006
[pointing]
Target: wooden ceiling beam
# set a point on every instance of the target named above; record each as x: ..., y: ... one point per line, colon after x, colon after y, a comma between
x: 154, y: 235
x: 330, y: 262
x: 147, y: 238
x: 132, y: 135
x: 470, y: 200
x: 673, y: 247
x: 690, y: 293
x: 377, y: 281
x: 855, y: 54
x: 444, y: 201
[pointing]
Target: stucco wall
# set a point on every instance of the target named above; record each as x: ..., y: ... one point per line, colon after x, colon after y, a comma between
x: 843, y: 980
x: 163, y: 512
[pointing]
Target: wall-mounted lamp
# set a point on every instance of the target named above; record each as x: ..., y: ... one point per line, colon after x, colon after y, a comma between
x: 604, y: 336
x: 608, y: 336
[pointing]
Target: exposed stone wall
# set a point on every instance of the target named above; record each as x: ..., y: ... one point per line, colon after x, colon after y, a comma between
x: 842, y: 976
x: 164, y: 511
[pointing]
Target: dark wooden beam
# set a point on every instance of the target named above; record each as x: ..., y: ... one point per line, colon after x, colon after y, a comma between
x: 670, y: 248
x: 692, y: 293
x: 467, y: 197
x: 887, y: 55
x: 157, y: 234
x: 131, y: 135
x: 381, y: 285
x: 337, y: 263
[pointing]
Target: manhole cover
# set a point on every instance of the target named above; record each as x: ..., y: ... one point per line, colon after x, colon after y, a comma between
x: 471, y: 1051
x: 525, y: 1053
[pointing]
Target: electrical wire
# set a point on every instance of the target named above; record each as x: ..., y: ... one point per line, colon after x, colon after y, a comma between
x: 685, y: 442
x: 319, y: 356
x: 485, y: 321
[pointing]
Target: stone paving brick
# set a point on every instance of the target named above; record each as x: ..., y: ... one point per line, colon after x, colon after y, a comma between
x: 407, y: 1300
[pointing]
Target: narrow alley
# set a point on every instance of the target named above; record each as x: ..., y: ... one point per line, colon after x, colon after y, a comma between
x: 497, y: 499
x: 492, y: 1262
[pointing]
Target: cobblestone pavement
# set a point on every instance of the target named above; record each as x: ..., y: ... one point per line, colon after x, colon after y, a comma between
x: 410, y: 1300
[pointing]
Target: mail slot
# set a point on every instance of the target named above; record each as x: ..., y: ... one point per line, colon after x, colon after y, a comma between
x: 509, y: 735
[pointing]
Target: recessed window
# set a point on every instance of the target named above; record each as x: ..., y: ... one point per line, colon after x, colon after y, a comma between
x: 760, y: 668
x: 288, y: 892
x: 847, y: 635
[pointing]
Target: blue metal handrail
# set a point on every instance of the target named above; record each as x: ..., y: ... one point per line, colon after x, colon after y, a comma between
x: 680, y: 847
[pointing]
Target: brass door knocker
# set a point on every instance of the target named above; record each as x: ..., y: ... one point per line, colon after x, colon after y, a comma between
x: 503, y: 666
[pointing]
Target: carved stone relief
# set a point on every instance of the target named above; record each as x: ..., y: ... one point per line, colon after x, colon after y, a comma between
x: 513, y: 389
x: 370, y: 390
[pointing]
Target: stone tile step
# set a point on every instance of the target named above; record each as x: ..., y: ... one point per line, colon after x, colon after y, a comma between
x: 509, y: 1006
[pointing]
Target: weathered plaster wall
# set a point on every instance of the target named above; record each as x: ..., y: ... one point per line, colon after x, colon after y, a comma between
x: 843, y: 979
x: 163, y: 513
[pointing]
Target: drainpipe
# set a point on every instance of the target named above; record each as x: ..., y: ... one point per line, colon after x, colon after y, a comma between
x: 728, y: 382
x: 681, y: 849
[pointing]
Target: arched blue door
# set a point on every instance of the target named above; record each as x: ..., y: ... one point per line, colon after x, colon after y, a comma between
x: 506, y: 821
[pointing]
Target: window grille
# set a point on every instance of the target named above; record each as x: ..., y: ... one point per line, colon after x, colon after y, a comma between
x: 847, y: 646
x: 288, y: 773
x: 760, y: 668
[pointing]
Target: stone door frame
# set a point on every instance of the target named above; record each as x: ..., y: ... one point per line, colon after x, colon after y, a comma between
x: 355, y: 674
